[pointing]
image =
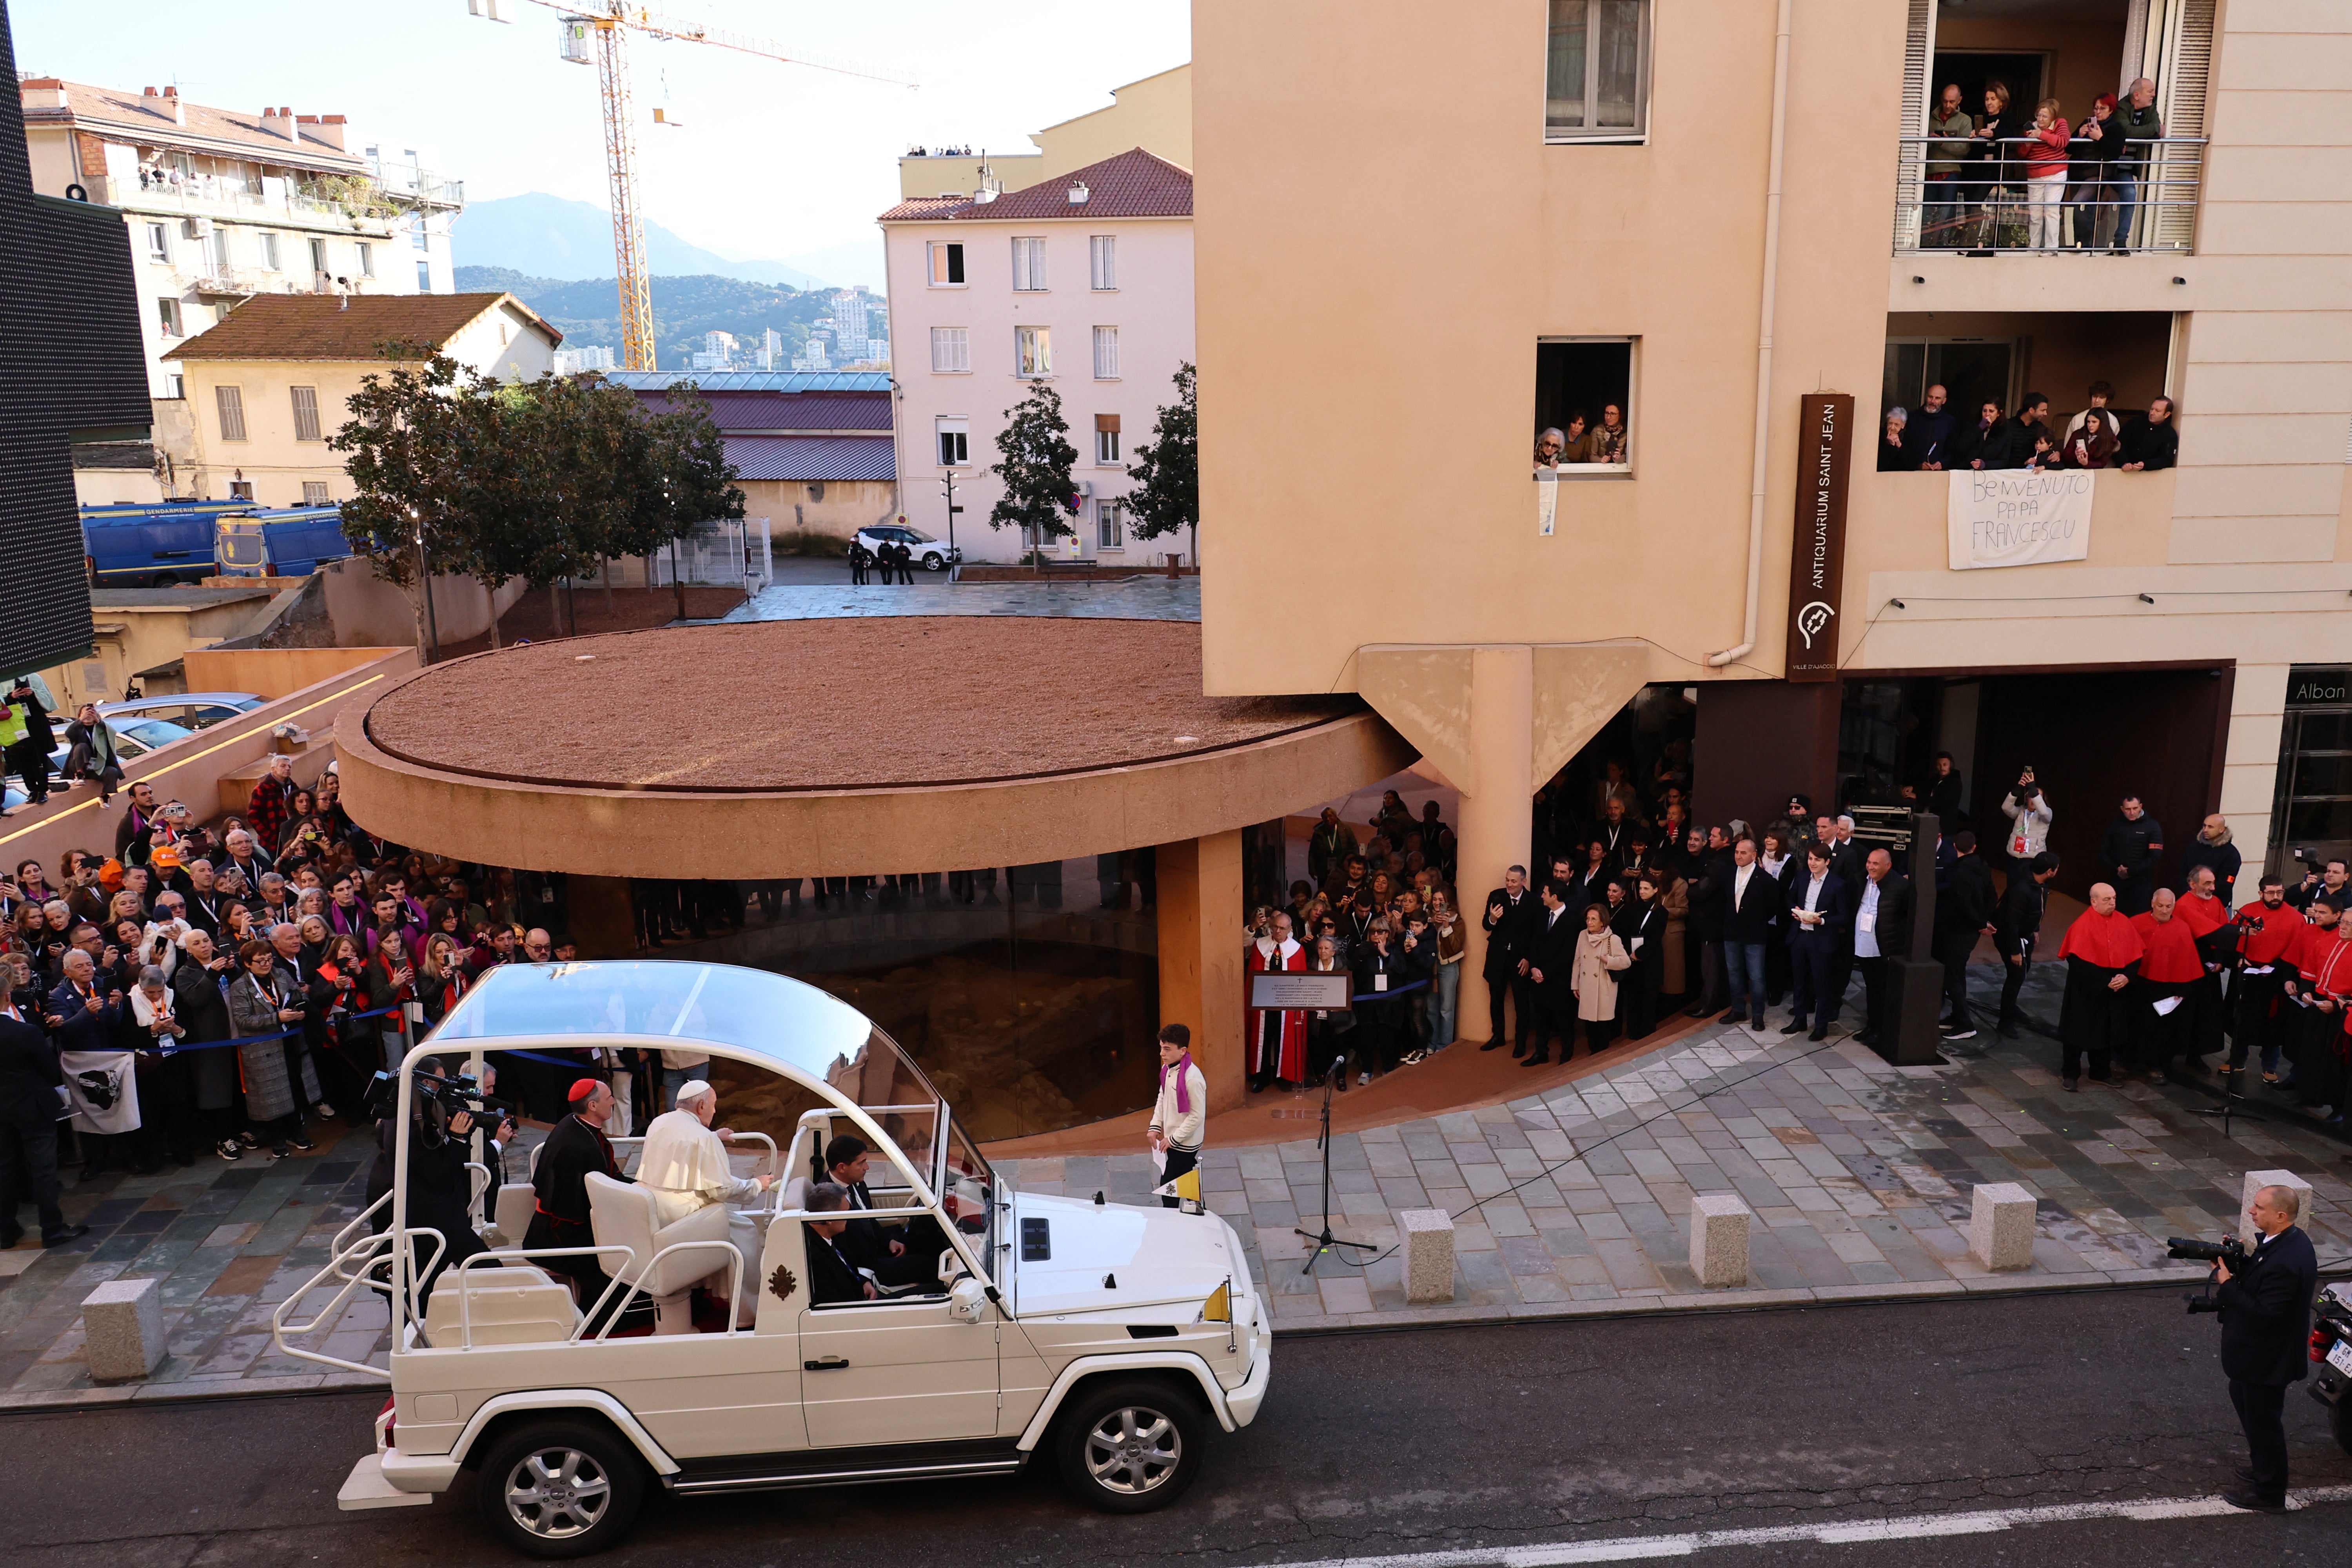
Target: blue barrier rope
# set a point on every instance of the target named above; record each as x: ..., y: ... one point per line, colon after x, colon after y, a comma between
x: 177, y: 1047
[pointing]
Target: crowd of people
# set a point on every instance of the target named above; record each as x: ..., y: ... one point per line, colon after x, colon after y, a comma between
x: 2084, y: 186
x: 1931, y: 437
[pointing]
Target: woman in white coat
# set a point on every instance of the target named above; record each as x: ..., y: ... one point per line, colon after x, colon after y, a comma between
x: 1601, y: 957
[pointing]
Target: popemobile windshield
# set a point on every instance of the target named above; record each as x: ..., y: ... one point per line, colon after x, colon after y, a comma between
x: 1112, y: 1338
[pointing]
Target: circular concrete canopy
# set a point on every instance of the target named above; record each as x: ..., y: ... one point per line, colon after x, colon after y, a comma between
x: 840, y: 747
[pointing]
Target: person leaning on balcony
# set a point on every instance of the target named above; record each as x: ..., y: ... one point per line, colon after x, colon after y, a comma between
x: 2093, y: 445
x: 1969, y: 443
x: 2045, y: 175
x: 2143, y: 126
x: 2101, y: 393
x: 1607, y: 442
x: 2018, y: 443
x: 2152, y: 441
x: 1940, y: 218
x: 2098, y: 144
x: 1892, y: 457
x: 1995, y: 158
x: 1928, y: 435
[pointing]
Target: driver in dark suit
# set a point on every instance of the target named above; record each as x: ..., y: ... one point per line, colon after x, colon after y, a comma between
x: 832, y: 1276
x: 895, y: 1257
x: 2265, y: 1339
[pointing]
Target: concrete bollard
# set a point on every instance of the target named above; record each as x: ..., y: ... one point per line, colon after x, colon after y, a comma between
x: 1428, y: 1255
x: 122, y: 1328
x: 2256, y: 1182
x: 2000, y: 1225
x: 1718, y: 1240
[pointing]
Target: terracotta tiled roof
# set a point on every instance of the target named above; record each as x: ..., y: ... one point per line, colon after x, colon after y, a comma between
x: 318, y: 327
x: 1136, y: 183
x: 148, y: 122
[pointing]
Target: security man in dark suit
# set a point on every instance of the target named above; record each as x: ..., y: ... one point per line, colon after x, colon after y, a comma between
x: 1882, y: 931
x: 832, y: 1276
x: 2017, y: 922
x: 894, y: 1256
x: 1964, y: 906
x: 2266, y: 1341
x: 1548, y: 945
x: 1510, y: 910
x: 29, y: 1102
x: 1821, y: 937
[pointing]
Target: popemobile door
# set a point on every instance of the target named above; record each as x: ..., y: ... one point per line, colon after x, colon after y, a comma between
x: 896, y: 1371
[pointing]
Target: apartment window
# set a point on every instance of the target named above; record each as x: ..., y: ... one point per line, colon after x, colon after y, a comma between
x: 158, y: 243
x: 418, y: 235
x: 1111, y: 525
x: 270, y: 251
x: 424, y: 278
x: 240, y: 489
x: 951, y: 348
x: 1032, y: 351
x: 305, y: 413
x: 1102, y: 260
x: 947, y: 265
x: 314, y: 492
x: 178, y: 383
x: 216, y: 249
x: 318, y: 255
x: 367, y: 259
x: 1596, y: 70
x: 1106, y: 354
x: 228, y: 401
x: 1028, y: 265
x: 955, y: 441
x: 1106, y: 437
x: 167, y: 317
x: 1584, y: 389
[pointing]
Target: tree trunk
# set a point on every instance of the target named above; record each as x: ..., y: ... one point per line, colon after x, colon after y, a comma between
x: 555, y: 609
x: 678, y: 578
x: 605, y: 568
x: 494, y: 618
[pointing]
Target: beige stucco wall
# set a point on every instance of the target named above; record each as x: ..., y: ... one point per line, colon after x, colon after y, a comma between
x: 1310, y: 288
x: 1155, y: 114
x: 129, y: 638
x: 789, y: 507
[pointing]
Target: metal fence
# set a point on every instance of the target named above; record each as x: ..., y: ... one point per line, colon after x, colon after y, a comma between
x: 726, y: 555
x: 2146, y: 201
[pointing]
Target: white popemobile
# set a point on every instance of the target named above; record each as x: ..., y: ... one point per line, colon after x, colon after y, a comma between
x: 1111, y: 1336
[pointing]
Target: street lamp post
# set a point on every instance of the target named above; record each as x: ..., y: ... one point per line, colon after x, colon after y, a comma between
x: 952, y: 509
x: 431, y: 651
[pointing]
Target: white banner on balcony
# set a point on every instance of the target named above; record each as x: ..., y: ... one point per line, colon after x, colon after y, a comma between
x: 2019, y: 517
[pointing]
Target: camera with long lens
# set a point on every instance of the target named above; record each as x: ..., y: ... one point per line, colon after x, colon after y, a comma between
x: 2229, y: 1251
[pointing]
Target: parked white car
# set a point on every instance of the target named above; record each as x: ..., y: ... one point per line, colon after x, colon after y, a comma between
x: 1113, y: 1340
x: 930, y: 554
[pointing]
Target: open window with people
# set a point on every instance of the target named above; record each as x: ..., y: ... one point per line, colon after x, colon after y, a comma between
x: 1583, y: 408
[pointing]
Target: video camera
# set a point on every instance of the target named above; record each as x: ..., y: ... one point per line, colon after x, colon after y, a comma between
x: 439, y: 1097
x: 2229, y: 1251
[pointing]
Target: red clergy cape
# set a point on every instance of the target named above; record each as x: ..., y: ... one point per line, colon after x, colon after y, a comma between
x: 2311, y: 945
x: 1292, y: 1062
x: 2274, y: 934
x: 2108, y: 941
x: 2171, y: 950
x: 2203, y: 914
x: 2330, y: 966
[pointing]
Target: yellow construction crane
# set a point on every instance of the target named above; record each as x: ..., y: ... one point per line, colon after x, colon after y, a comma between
x: 595, y: 33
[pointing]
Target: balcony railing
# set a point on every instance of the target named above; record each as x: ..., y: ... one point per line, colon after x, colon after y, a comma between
x: 2145, y: 201
x: 209, y: 195
x: 423, y: 185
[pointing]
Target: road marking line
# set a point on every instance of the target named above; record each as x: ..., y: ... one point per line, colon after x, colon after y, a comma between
x: 1913, y: 1527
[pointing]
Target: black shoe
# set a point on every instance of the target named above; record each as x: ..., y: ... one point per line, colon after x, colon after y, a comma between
x: 1821, y: 1032
x: 1757, y: 1022
x: 1697, y: 1012
x: 1497, y: 1044
x: 2009, y: 1031
x: 303, y: 1143
x: 2072, y: 1085
x: 93, y: 1172
x: 59, y: 1237
x: 1865, y: 1038
x: 1519, y: 1050
x: 9, y: 1238
x: 2253, y: 1501
x: 1539, y: 1060
x: 1795, y: 1025
x: 1733, y: 1017
x: 2245, y: 1473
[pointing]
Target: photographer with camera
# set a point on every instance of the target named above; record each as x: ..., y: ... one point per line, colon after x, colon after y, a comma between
x: 2264, y: 1300
x: 2029, y: 813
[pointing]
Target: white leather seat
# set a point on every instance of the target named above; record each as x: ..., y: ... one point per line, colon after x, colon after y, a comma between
x: 511, y: 1305
x: 511, y: 1216
x: 621, y: 1213
x: 795, y: 1195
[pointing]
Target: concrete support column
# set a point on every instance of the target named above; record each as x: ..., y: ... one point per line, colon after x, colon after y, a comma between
x: 1498, y: 806
x: 1200, y: 955
x: 602, y: 921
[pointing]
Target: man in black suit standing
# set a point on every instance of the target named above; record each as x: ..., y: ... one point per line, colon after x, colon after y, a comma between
x: 1882, y: 929
x: 2265, y: 1335
x: 1964, y: 910
x: 1551, y: 949
x: 1510, y: 911
x: 29, y: 1102
x: 1753, y: 899
x: 1820, y: 910
x: 832, y: 1276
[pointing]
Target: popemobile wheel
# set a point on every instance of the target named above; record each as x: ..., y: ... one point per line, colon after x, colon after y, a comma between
x: 1130, y: 1447
x: 560, y: 1488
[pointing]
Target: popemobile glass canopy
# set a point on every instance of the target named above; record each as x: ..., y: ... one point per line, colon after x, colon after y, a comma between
x: 743, y: 1015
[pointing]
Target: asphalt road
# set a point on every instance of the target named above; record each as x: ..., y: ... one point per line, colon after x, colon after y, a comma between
x: 1475, y: 1441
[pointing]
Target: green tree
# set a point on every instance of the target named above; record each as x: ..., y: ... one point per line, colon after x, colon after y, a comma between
x: 1167, y: 469
x: 1035, y: 464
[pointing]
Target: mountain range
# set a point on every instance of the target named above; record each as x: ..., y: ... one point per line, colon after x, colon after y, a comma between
x: 587, y: 311
x: 546, y: 237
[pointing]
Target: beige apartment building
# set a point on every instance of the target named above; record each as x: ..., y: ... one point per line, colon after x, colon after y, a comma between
x: 1708, y: 212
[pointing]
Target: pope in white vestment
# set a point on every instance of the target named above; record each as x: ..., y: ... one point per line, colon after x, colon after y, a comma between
x: 684, y: 1166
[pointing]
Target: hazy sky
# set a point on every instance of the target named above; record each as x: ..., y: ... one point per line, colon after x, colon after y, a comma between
x: 772, y: 161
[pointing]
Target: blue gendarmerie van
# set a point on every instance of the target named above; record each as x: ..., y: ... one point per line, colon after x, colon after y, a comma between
x: 154, y: 545
x: 282, y: 542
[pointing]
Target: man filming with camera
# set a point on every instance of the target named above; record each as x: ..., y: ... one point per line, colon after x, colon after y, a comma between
x: 2265, y: 1307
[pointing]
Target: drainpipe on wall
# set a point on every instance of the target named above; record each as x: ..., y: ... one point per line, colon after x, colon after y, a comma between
x: 1764, y: 344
